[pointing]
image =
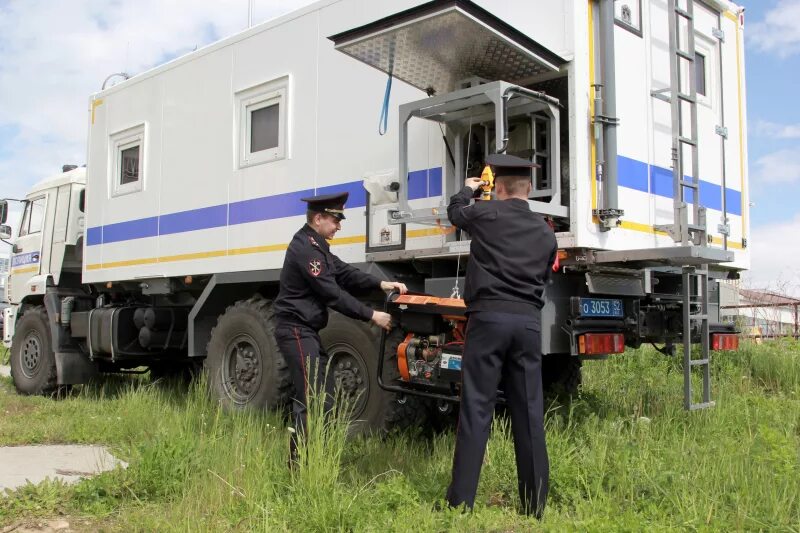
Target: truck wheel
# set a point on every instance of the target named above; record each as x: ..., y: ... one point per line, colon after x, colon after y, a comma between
x: 561, y: 376
x: 33, y: 363
x: 353, y: 350
x: 244, y: 366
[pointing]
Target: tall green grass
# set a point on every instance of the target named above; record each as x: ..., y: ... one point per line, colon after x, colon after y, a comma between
x: 624, y: 456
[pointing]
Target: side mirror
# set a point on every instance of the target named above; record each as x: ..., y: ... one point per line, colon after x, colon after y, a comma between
x: 3, y: 211
x: 5, y: 232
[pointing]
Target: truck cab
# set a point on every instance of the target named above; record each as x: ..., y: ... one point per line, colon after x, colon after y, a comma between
x: 48, y: 243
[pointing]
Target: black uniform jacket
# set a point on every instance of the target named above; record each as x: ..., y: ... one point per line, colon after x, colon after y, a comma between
x: 511, y: 253
x: 314, y: 279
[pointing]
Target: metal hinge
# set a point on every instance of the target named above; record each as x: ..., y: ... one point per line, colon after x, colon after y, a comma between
x: 721, y: 131
x: 719, y: 34
x: 744, y: 242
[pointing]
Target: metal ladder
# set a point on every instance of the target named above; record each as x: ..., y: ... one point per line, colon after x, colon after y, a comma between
x: 684, y: 230
x: 682, y: 54
x: 695, y: 298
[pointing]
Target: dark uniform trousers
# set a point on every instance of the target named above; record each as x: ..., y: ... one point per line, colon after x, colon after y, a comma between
x: 501, y: 349
x: 308, y: 365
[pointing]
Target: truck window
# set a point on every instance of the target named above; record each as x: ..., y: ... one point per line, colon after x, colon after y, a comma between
x: 127, y: 171
x: 33, y: 218
x: 700, y: 74
x: 262, y: 122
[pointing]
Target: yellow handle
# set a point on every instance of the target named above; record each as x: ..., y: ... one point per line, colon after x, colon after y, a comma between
x: 488, y: 183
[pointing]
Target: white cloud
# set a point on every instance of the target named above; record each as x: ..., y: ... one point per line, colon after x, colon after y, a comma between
x: 782, y: 166
x: 779, y: 32
x: 775, y: 257
x: 772, y: 130
x: 53, y: 55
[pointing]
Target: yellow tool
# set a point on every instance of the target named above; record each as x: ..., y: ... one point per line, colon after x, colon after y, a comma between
x: 487, y: 177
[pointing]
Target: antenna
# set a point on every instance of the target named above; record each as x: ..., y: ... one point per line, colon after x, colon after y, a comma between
x: 249, y: 13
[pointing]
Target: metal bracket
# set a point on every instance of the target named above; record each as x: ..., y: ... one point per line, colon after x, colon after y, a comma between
x: 724, y: 229
x: 721, y: 131
x: 609, y: 218
x: 659, y: 94
x: 602, y: 119
x: 719, y: 34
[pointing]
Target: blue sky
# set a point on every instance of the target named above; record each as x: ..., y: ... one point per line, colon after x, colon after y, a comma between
x: 773, y: 80
x: 53, y: 55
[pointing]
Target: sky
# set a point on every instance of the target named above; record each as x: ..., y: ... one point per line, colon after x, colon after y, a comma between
x: 53, y: 55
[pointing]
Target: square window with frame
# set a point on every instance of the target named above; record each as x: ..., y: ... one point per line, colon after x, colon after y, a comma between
x: 126, y: 160
x: 33, y: 217
x: 628, y: 14
x: 262, y: 123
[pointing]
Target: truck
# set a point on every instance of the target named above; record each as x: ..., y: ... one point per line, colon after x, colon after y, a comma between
x: 165, y: 250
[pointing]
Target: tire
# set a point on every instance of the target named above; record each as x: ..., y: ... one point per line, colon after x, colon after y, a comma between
x: 244, y: 365
x: 33, y: 363
x: 353, y: 348
x: 561, y: 376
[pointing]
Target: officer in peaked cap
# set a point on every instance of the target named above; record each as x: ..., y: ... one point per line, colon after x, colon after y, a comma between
x: 312, y: 280
x: 511, y: 256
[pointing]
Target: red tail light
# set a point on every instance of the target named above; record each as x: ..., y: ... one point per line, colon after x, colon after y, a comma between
x: 601, y: 343
x: 724, y: 341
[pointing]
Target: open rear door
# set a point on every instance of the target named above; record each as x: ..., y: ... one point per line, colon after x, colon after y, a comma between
x: 436, y: 45
x: 473, y: 67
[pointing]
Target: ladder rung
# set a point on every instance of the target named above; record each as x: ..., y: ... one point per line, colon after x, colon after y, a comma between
x: 698, y: 316
x: 687, y: 140
x: 683, y: 13
x: 695, y: 227
x: 704, y: 405
x: 690, y: 184
x: 687, y: 98
x: 698, y: 362
x: 686, y: 55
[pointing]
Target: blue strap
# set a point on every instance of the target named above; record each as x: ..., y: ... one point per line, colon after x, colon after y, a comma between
x: 383, y: 122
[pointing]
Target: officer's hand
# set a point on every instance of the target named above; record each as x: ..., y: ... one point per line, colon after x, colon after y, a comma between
x: 473, y: 183
x: 393, y: 285
x: 382, y: 320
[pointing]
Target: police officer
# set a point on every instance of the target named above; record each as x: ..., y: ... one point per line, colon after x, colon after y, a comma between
x: 511, y: 254
x: 312, y: 280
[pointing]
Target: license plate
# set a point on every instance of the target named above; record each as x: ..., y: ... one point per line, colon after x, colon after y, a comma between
x: 598, y: 307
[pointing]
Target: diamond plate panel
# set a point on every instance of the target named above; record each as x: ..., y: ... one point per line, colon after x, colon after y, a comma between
x: 438, y: 51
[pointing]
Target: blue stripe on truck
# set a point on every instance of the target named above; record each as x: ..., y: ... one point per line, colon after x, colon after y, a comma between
x: 427, y: 183
x: 642, y: 177
x: 421, y: 184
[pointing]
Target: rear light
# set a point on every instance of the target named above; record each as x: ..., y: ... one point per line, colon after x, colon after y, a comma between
x: 601, y: 343
x: 724, y: 341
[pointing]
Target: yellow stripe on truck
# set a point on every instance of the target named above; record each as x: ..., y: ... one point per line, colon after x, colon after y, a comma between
x: 357, y: 239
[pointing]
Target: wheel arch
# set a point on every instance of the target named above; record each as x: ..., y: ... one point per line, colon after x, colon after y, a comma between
x: 224, y: 290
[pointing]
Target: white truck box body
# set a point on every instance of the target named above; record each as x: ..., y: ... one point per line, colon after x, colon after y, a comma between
x: 199, y: 213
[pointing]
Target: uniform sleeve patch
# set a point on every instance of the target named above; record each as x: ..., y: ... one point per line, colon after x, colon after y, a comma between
x: 315, y: 267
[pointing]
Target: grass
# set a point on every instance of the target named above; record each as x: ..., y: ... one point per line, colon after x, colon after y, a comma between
x: 624, y: 456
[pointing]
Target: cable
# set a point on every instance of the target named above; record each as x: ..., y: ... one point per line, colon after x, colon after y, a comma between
x: 383, y: 122
x: 456, y: 293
